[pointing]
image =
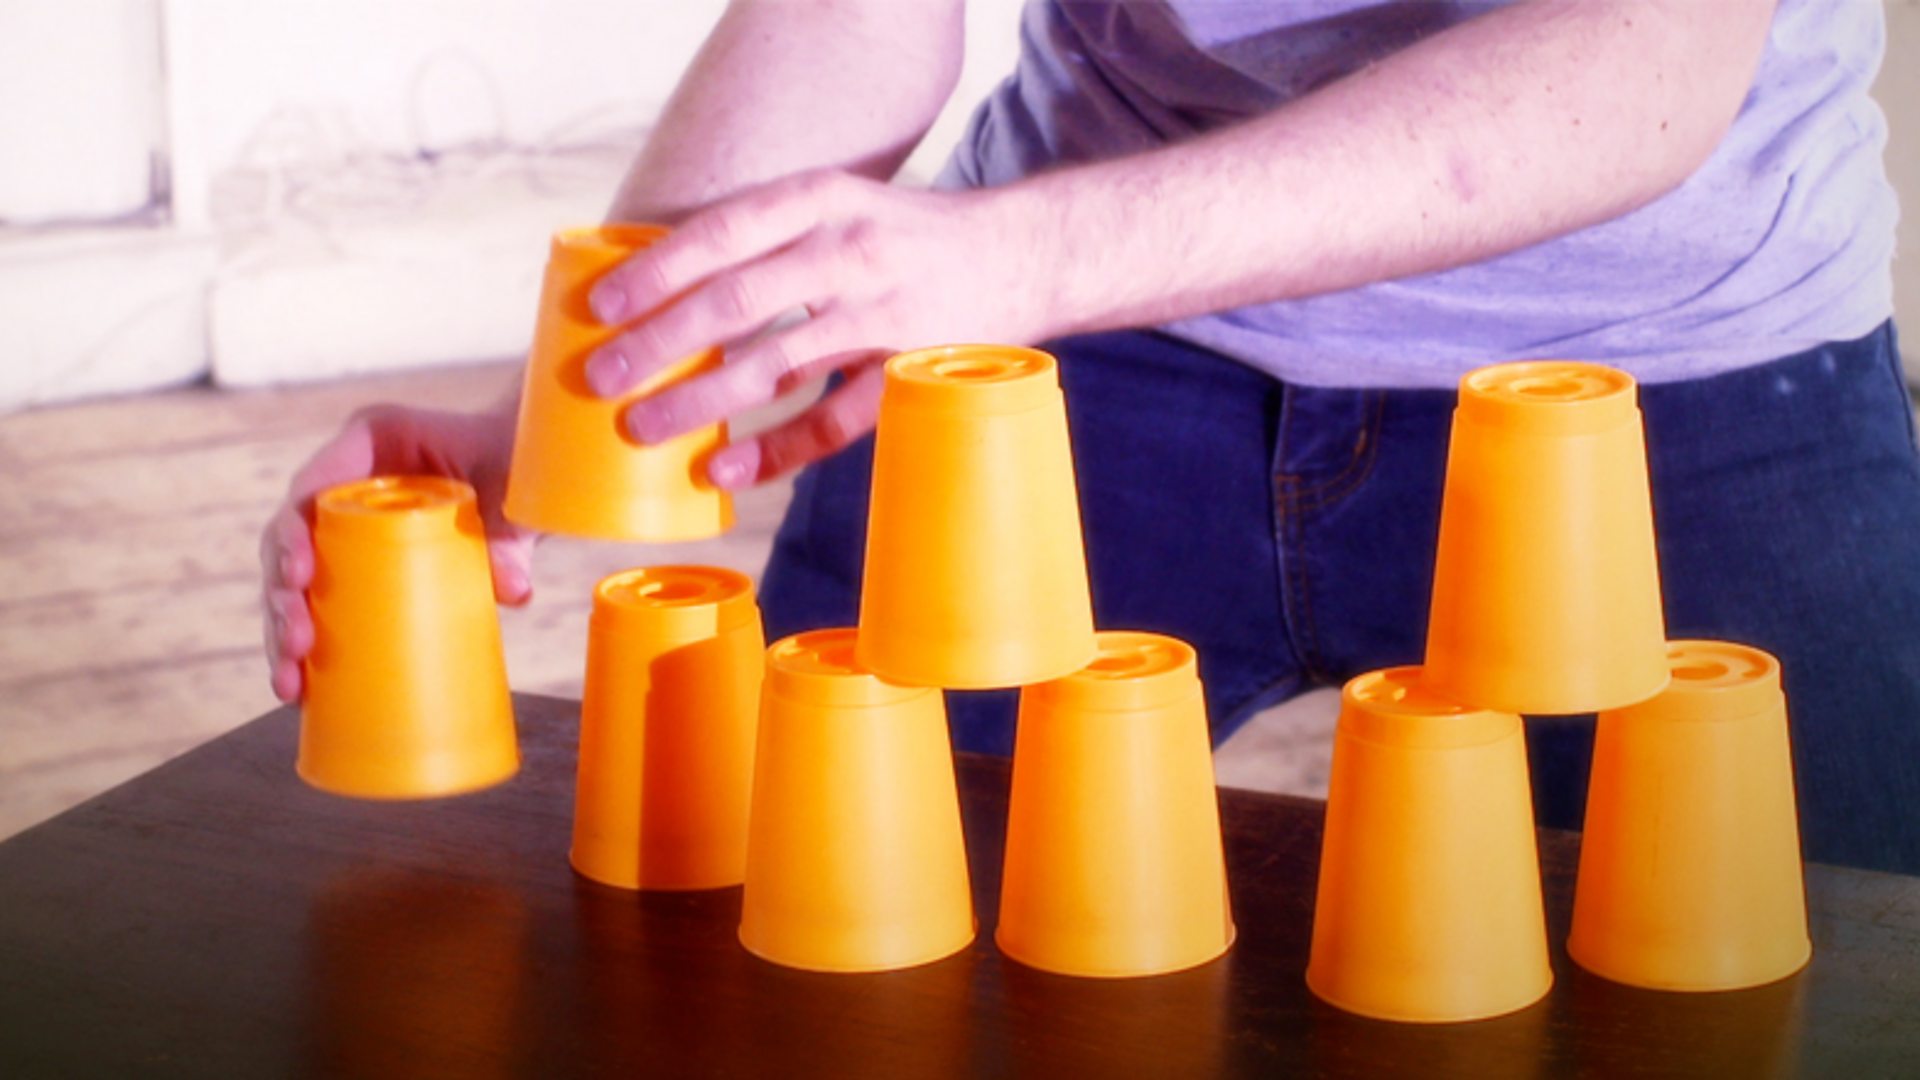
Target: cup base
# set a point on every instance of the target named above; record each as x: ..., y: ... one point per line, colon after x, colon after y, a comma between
x: 465, y: 785
x: 632, y: 883
x: 1017, y: 957
x: 931, y: 664
x: 1645, y: 981
x: 861, y: 968
x: 1360, y: 1008
x: 665, y: 529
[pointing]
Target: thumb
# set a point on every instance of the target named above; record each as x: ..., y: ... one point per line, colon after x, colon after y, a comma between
x: 347, y: 456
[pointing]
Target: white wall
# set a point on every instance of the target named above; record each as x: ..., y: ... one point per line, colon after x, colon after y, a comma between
x: 260, y: 84
x: 80, y: 110
x: 356, y: 184
x: 417, y: 194
x: 276, y: 85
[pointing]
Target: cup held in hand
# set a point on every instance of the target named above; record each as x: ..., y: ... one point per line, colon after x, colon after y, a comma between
x: 406, y: 685
x: 575, y: 469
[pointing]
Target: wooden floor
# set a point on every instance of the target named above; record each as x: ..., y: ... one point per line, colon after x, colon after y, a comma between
x: 129, y: 621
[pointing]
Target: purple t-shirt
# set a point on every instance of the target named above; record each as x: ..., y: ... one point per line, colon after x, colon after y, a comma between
x: 1781, y: 241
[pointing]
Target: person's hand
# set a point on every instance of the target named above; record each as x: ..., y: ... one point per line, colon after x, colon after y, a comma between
x: 386, y: 440
x: 878, y: 268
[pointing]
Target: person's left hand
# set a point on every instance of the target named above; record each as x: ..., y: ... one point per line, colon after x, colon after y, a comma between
x: 878, y: 268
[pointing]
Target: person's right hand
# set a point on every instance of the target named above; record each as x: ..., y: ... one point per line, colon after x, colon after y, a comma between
x: 381, y: 441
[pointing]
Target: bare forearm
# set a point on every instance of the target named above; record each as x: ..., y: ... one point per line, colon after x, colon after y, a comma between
x: 783, y: 86
x: 1516, y: 126
x: 1507, y: 130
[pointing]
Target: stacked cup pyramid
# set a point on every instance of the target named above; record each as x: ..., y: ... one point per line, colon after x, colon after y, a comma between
x: 975, y: 577
x: 1546, y: 600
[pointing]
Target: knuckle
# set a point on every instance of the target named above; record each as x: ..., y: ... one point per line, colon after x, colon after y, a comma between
x: 865, y: 241
x: 646, y: 345
x: 646, y: 281
x: 735, y: 297
x: 819, y: 184
x: 717, y: 229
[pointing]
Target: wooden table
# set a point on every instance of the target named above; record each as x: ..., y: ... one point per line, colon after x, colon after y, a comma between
x: 217, y: 918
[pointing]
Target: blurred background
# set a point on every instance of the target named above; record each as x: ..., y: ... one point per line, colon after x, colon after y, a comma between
x: 224, y: 225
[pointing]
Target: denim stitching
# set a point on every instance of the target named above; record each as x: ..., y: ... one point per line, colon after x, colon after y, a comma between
x: 1290, y: 615
x: 1308, y: 649
x: 1290, y: 512
x: 1295, y: 495
x: 1343, y: 483
x: 1323, y: 496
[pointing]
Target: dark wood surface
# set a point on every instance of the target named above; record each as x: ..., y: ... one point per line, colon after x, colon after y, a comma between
x: 217, y: 918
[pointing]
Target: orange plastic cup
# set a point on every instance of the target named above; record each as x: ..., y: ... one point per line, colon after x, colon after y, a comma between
x: 1546, y: 587
x: 855, y: 858
x: 976, y: 575
x: 1690, y: 872
x: 1113, y: 863
x: 1429, y: 906
x: 406, y: 686
x: 667, y: 726
x: 575, y: 469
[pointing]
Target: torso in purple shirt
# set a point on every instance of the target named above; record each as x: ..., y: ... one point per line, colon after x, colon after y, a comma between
x: 1781, y: 241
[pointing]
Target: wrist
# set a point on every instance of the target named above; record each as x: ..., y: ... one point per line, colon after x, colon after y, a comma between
x: 1023, y: 225
x: 1087, y: 249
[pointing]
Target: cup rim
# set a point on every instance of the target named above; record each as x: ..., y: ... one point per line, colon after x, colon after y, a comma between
x: 819, y: 667
x: 398, y: 508
x: 1712, y: 680
x: 1549, y: 397
x: 1130, y: 670
x: 1396, y: 706
x: 680, y: 598
x: 977, y: 379
x: 394, y: 494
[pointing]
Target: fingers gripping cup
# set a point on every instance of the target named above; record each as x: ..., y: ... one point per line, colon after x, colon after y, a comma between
x: 575, y: 469
x: 976, y: 574
x: 1690, y: 872
x: 667, y: 728
x: 1429, y: 906
x: 406, y: 685
x: 855, y: 859
x: 1546, y: 589
x: 1113, y: 863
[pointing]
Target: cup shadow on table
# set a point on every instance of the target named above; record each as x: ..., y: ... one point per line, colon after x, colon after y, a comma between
x: 662, y: 979
x: 416, y: 972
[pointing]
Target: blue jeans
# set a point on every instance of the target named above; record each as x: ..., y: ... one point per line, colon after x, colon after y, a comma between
x: 1288, y: 533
